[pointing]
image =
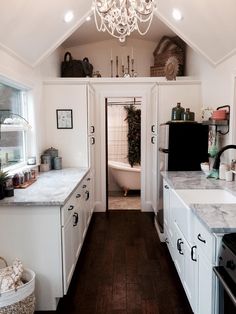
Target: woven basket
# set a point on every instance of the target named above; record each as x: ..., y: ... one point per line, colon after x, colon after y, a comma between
x: 22, y: 299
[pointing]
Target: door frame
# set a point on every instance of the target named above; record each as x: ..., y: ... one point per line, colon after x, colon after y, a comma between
x: 115, y: 90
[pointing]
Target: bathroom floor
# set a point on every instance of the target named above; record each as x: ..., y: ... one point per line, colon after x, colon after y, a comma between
x: 132, y: 201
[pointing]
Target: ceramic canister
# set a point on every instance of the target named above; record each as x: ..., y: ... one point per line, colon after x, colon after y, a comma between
x: 57, y: 163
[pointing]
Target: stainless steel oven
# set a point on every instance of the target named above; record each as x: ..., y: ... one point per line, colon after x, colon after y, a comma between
x: 226, y: 274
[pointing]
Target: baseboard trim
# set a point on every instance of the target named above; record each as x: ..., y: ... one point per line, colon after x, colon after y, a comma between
x: 160, y: 234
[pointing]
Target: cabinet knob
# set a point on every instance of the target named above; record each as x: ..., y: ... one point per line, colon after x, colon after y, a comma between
x: 200, y: 238
x: 71, y: 207
x: 166, y: 187
x: 78, y: 195
x: 92, y: 129
x: 88, y: 179
x: 84, y: 186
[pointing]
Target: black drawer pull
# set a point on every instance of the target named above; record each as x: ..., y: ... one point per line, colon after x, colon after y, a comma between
x: 88, y: 179
x: 76, y: 219
x: 71, y: 207
x: 166, y: 187
x: 192, y: 253
x: 153, y: 139
x: 200, y: 238
x: 92, y: 140
x: 87, y: 195
x: 92, y: 129
x: 179, y: 242
x: 153, y: 128
x: 84, y: 186
x: 78, y: 195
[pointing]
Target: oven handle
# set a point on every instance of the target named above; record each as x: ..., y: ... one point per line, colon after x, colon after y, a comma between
x: 218, y: 270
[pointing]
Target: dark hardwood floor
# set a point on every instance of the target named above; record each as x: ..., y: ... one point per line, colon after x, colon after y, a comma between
x: 124, y: 269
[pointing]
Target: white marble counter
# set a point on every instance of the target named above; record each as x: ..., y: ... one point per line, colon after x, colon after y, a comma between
x: 218, y: 218
x: 51, y: 188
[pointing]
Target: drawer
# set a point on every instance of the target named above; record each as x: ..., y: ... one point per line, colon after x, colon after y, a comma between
x: 68, y: 209
x: 204, y: 240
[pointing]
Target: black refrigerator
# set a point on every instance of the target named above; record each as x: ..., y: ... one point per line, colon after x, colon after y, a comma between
x: 182, y: 147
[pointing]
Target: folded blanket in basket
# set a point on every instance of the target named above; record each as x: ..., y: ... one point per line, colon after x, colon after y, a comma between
x: 10, y: 276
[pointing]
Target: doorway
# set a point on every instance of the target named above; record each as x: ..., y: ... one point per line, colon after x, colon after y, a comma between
x: 123, y: 153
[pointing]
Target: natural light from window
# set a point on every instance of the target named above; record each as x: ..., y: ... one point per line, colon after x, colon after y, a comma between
x: 14, y: 127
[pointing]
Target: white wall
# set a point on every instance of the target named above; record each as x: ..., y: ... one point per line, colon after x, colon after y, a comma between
x: 218, y: 88
x: 99, y: 54
x: 14, y: 71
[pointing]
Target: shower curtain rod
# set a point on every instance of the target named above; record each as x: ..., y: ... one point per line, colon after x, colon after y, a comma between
x: 123, y: 103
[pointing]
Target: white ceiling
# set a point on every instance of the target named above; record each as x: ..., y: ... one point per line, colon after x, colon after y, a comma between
x: 32, y: 29
x: 87, y: 33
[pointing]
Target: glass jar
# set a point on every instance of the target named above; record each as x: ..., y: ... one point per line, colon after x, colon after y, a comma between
x: 177, y: 112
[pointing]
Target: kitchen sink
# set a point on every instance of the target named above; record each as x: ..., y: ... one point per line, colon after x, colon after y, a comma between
x: 206, y: 196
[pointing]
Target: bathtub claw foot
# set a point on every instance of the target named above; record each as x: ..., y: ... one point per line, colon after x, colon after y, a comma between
x: 126, y: 192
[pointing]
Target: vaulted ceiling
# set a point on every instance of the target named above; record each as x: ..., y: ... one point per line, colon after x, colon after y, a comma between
x: 31, y: 29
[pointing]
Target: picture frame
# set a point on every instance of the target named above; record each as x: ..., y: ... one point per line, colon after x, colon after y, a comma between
x: 64, y: 118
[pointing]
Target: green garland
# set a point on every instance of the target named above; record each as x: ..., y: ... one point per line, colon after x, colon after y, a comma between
x: 134, y: 134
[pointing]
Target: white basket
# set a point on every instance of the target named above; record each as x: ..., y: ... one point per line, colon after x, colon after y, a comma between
x: 13, y: 296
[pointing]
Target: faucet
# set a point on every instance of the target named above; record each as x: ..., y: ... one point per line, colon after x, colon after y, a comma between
x: 216, y: 164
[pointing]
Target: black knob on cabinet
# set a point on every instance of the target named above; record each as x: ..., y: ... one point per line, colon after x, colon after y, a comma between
x: 231, y: 264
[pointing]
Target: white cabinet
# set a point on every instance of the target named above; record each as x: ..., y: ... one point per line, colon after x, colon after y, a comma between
x: 206, y: 256
x: 193, y: 250
x: 177, y: 220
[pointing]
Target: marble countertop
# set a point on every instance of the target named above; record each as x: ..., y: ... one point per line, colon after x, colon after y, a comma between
x: 218, y: 218
x: 51, y: 188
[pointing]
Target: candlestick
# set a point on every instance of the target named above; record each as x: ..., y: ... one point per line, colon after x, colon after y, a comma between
x: 132, y: 67
x: 111, y: 68
x: 123, y: 69
x: 128, y: 64
x: 117, y: 75
x: 111, y: 55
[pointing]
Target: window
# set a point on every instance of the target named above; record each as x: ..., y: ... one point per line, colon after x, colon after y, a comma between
x: 14, y: 127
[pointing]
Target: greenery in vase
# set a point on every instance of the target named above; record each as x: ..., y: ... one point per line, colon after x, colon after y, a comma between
x: 134, y: 134
x: 4, y: 176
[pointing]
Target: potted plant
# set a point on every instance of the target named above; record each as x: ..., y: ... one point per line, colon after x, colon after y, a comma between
x: 4, y: 176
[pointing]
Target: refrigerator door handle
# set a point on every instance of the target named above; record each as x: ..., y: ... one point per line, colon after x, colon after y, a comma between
x: 164, y: 150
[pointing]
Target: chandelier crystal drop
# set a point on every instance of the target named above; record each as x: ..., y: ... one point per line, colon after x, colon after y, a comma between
x: 121, y: 17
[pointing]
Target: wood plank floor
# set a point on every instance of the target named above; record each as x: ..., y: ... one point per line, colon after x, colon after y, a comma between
x: 124, y: 269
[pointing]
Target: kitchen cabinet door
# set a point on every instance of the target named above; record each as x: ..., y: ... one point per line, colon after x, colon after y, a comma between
x: 206, y: 282
x: 190, y: 278
x: 68, y: 252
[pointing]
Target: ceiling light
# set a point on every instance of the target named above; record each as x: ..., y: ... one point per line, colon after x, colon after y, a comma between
x: 88, y: 18
x: 68, y: 17
x: 121, y: 17
x: 177, y: 15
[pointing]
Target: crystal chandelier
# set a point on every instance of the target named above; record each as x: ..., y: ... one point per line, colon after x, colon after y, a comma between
x: 121, y: 17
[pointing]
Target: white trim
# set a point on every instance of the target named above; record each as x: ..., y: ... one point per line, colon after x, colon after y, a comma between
x: 232, y: 124
x: 129, y: 90
x: 120, y: 80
